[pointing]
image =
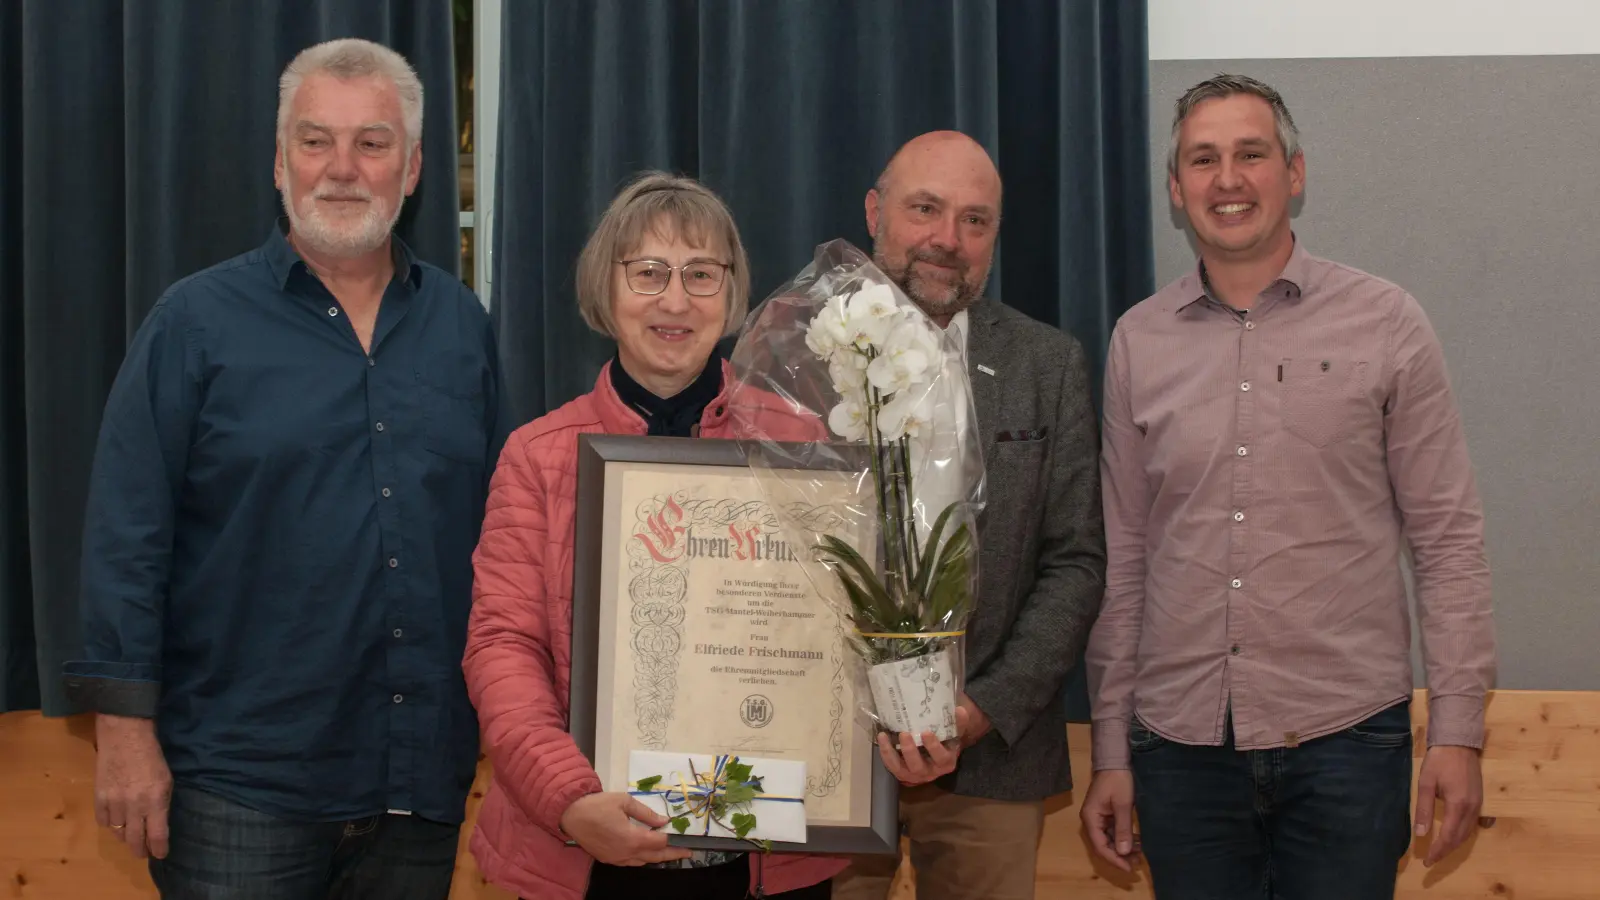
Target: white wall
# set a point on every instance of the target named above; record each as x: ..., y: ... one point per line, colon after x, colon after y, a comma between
x: 1328, y: 29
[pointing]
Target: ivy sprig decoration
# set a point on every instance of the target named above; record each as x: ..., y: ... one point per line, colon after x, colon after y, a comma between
x: 733, y: 791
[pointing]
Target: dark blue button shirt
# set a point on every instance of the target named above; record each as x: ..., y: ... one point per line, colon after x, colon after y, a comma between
x: 278, y: 542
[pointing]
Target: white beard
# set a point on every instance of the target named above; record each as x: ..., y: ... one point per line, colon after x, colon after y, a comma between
x: 341, y: 237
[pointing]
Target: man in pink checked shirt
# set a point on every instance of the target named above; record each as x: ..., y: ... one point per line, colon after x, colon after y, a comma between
x: 1278, y: 428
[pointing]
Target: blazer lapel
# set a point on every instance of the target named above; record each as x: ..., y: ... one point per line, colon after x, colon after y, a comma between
x: 983, y: 366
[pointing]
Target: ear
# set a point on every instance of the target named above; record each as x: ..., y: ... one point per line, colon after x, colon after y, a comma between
x: 1297, y: 174
x: 1174, y: 190
x: 277, y: 167
x: 872, y: 211
x: 416, y: 169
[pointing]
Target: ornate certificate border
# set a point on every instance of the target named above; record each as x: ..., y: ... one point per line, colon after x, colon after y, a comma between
x: 656, y: 597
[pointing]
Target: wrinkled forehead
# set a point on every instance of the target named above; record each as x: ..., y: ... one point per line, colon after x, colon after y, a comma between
x: 329, y: 102
x: 959, y: 175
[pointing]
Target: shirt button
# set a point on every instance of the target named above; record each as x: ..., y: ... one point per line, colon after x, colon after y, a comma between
x: 1242, y: 450
x: 1245, y: 386
x: 399, y: 699
x: 387, y: 492
x: 371, y: 362
x: 379, y: 426
x: 397, y: 632
x: 1237, y: 583
x: 1235, y: 650
x: 393, y: 562
x: 1238, y: 516
x: 333, y: 310
x: 1249, y: 326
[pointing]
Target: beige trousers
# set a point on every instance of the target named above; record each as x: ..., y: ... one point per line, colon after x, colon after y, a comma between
x: 962, y: 848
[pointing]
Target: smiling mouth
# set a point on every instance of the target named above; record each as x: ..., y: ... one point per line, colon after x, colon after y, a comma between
x: 671, y: 334
x: 942, y: 269
x: 1232, y: 209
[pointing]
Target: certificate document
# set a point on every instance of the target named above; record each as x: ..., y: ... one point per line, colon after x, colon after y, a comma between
x: 712, y: 640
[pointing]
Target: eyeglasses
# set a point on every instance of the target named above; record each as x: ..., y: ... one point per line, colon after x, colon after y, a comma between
x: 651, y: 276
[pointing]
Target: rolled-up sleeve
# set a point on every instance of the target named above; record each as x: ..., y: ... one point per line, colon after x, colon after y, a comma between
x: 138, y: 471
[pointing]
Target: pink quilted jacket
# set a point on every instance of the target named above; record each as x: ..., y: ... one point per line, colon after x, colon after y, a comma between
x: 518, y: 657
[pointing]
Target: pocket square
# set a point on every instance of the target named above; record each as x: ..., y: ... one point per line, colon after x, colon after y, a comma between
x: 1026, y: 434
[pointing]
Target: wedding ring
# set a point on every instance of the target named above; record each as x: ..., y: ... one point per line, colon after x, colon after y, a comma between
x: 118, y: 826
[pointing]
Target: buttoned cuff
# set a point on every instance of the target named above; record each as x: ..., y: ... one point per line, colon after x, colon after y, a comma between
x: 1455, y: 720
x: 1110, y: 744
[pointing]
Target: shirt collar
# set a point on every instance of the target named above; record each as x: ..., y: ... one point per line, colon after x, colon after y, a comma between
x: 1195, y: 287
x: 958, y: 328
x: 282, y: 258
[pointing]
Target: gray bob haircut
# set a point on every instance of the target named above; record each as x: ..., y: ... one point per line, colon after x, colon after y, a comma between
x: 669, y: 206
x: 1225, y: 85
x: 350, y: 58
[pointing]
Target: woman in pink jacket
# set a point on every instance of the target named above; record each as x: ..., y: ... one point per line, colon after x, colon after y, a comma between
x: 666, y: 276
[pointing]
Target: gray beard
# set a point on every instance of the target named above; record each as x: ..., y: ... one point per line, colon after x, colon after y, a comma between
x: 317, y: 233
x: 935, y: 300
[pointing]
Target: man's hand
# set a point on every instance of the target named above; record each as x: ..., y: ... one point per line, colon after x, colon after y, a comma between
x: 603, y: 825
x: 1453, y: 775
x: 132, y: 784
x: 978, y: 724
x: 1107, y: 815
x: 913, y: 765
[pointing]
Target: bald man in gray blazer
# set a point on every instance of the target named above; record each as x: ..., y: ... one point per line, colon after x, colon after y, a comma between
x: 974, y: 818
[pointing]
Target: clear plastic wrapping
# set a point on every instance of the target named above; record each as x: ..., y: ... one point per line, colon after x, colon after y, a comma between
x: 887, y: 504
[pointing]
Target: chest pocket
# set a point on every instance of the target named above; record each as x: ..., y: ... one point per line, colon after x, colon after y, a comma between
x: 1323, y: 398
x: 452, y: 421
x: 1015, y: 463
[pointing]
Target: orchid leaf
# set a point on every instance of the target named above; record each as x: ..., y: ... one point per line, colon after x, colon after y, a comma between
x: 951, y: 591
x: 930, y: 552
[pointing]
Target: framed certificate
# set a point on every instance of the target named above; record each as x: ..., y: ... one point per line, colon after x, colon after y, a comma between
x: 695, y: 631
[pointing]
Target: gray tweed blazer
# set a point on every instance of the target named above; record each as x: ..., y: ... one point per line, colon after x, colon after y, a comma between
x: 1042, y: 550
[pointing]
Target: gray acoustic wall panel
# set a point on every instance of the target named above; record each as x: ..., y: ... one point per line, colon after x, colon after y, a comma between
x: 1474, y: 183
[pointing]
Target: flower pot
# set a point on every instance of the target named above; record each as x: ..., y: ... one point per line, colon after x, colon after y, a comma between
x: 916, y: 695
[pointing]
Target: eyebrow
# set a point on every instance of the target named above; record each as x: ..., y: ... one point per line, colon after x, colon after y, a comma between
x: 305, y: 125
x: 924, y: 195
x: 1209, y: 147
x: 692, y: 259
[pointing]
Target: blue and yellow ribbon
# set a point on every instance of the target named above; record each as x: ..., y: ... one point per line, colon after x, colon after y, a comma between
x: 701, y: 795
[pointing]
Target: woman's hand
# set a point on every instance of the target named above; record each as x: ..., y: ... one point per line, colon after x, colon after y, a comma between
x: 604, y: 826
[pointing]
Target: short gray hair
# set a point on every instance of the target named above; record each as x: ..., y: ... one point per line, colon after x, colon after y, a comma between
x: 1225, y: 85
x: 350, y: 58
x: 669, y: 206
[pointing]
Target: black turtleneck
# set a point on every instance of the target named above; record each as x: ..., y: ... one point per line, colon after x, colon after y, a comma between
x: 674, y: 416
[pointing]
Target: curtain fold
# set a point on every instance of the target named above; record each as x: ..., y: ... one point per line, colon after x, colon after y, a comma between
x: 789, y: 111
x: 136, y: 146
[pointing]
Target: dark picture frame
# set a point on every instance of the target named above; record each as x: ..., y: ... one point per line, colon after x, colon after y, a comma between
x: 595, y: 452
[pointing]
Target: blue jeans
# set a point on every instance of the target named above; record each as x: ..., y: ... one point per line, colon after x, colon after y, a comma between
x: 1327, y: 820
x: 220, y: 850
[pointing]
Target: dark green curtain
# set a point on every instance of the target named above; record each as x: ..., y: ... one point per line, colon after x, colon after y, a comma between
x: 789, y: 110
x: 136, y: 144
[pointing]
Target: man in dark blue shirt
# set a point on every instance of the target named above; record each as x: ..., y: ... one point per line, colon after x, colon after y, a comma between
x: 288, y: 487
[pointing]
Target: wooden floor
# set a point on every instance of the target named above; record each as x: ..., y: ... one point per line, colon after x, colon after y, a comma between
x: 1541, y: 839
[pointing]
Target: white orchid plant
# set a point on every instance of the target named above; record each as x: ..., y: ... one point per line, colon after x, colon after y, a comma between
x: 883, y: 360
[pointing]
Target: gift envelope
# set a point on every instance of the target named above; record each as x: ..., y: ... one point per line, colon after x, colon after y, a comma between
x: 779, y: 809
